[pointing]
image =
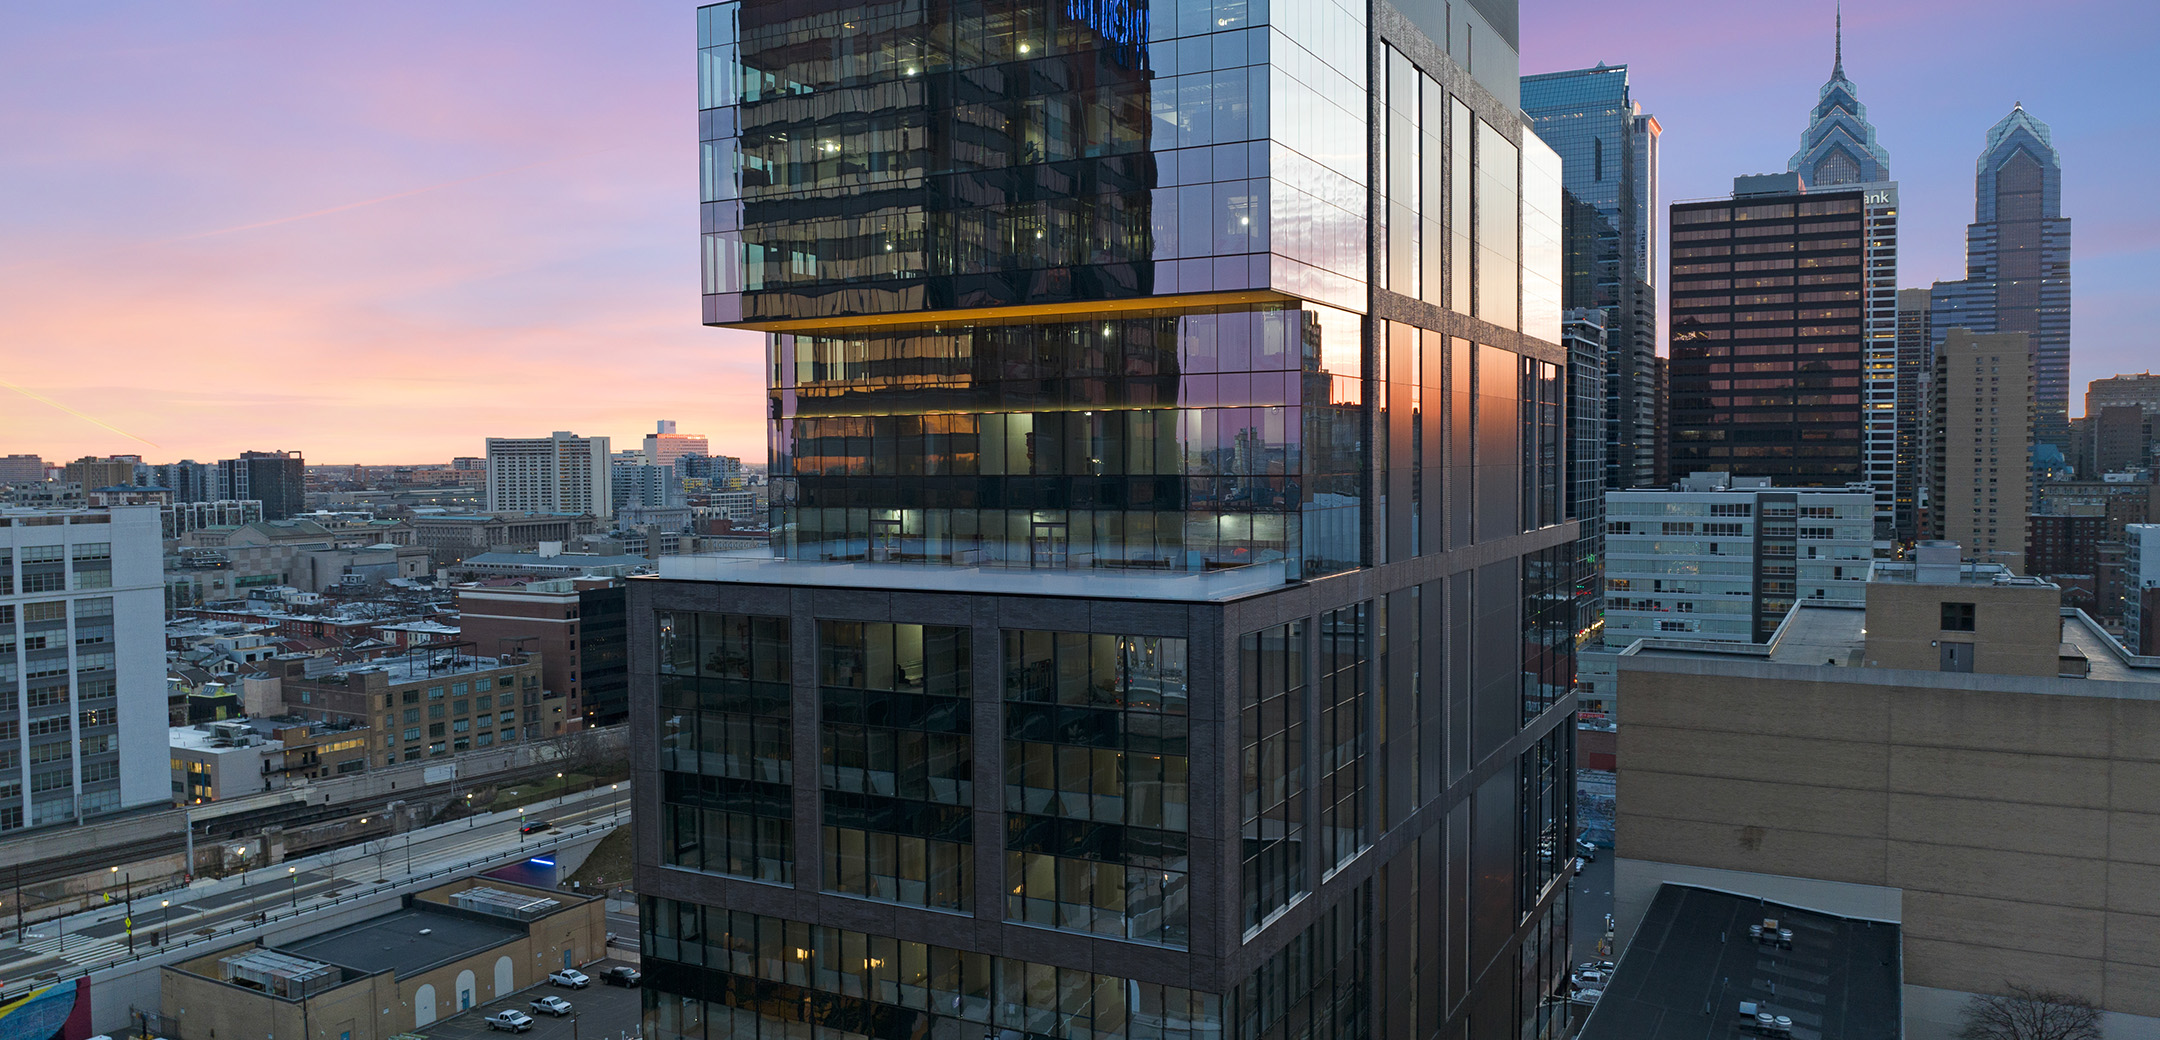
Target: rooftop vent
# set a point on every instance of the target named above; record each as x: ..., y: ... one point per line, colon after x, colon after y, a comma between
x: 498, y: 903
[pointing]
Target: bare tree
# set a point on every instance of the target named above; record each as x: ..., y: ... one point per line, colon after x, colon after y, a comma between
x: 586, y: 751
x: 2025, y: 1013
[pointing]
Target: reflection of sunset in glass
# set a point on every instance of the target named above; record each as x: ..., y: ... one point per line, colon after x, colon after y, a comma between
x: 384, y: 239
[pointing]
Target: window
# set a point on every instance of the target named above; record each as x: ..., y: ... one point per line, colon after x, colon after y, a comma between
x: 897, y: 770
x: 1272, y: 737
x: 726, y: 780
x: 1957, y: 617
x: 1095, y: 784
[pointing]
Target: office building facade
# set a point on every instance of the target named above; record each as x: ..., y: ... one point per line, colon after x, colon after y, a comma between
x: 559, y: 473
x: 82, y: 665
x: 2017, y: 262
x: 1167, y: 626
x: 1609, y: 168
x: 1720, y: 559
x: 1769, y: 334
x: 1982, y: 456
x: 277, y: 479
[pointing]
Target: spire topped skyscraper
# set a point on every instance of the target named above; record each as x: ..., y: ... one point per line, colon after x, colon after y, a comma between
x: 1838, y: 146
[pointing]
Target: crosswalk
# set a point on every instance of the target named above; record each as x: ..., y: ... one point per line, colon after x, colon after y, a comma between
x: 80, y: 949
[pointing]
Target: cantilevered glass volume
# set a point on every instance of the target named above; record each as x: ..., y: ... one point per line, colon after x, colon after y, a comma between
x: 1166, y: 630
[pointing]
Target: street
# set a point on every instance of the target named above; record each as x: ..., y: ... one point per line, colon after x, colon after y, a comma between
x: 96, y: 937
x: 1588, y: 906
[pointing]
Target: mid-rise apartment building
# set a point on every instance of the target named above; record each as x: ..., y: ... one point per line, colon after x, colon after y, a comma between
x: 574, y: 624
x: 1983, y: 441
x: 82, y: 664
x: 430, y: 701
x: 277, y: 479
x: 559, y: 473
x: 21, y: 469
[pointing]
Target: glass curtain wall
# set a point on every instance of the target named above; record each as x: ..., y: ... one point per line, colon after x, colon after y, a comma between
x: 1096, y: 784
x: 1188, y: 441
x: 896, y: 769
x: 727, y: 765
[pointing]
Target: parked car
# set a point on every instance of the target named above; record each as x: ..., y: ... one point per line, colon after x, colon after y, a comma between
x: 511, y: 1020
x: 622, y: 975
x: 570, y: 977
x: 1585, y: 849
x: 535, y: 826
x: 555, y: 1006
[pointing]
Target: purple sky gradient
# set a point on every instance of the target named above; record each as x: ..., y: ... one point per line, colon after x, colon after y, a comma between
x: 382, y: 232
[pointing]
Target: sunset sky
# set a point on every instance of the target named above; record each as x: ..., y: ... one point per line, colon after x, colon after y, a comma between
x: 382, y: 232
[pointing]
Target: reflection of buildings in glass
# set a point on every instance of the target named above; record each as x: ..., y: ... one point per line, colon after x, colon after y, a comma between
x: 2017, y: 262
x: 1608, y: 149
x: 1118, y: 432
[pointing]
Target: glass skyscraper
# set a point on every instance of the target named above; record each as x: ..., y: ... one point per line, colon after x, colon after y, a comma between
x: 2017, y: 263
x: 1838, y: 151
x: 1168, y: 626
x: 1609, y: 168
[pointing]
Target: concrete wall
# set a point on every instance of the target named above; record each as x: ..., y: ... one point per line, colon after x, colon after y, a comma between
x: 2022, y: 829
x: 2017, y: 630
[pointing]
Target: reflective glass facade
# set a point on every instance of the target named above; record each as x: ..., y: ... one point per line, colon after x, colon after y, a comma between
x: 1206, y: 438
x: 1169, y: 424
x: 2017, y: 263
x: 1608, y: 150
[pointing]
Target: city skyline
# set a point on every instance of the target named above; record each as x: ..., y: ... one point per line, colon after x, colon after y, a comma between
x: 345, y: 238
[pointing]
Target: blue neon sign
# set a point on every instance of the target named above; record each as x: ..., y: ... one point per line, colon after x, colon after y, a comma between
x: 1122, y: 23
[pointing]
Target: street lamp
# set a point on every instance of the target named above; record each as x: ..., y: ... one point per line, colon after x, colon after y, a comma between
x: 127, y: 882
x: 558, y: 789
x: 164, y: 917
x: 468, y: 810
x: 294, y: 874
x: 521, y: 825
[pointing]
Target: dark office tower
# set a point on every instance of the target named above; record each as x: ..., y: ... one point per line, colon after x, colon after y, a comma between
x: 1168, y: 630
x: 1838, y: 150
x: 277, y: 478
x: 1915, y: 375
x: 2017, y: 263
x: 1767, y: 343
x: 1609, y: 167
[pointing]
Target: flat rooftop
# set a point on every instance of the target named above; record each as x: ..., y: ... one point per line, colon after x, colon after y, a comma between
x: 759, y: 567
x: 416, y: 666
x: 393, y: 942
x: 1693, y: 963
x: 1820, y: 634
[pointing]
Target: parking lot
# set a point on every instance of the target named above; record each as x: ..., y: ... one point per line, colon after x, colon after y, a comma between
x: 602, y: 1012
